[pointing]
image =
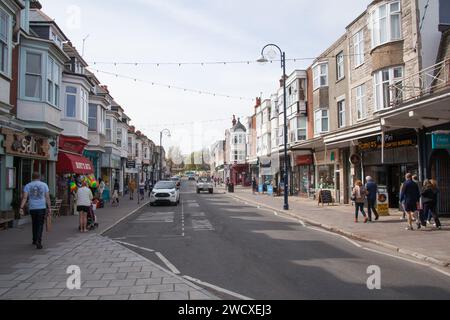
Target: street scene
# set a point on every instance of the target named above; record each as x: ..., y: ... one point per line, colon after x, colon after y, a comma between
x: 169, y: 150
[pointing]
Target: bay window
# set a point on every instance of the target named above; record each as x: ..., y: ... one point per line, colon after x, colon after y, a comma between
x: 53, y: 71
x: 293, y: 130
x: 93, y: 115
x: 33, y: 75
x: 301, y: 128
x: 84, y: 105
x: 71, y: 102
x: 109, y: 133
x: 320, y: 75
x: 4, y: 41
x: 385, y: 94
x: 385, y: 23
x: 321, y: 121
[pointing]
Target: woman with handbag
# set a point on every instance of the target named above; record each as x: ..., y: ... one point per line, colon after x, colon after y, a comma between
x: 359, y: 197
x: 429, y: 201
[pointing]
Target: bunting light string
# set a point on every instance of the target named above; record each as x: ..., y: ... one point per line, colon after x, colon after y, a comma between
x: 242, y: 62
x: 168, y: 86
x: 181, y: 124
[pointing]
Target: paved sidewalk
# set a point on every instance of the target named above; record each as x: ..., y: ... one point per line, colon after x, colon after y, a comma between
x: 426, y: 244
x: 108, y: 270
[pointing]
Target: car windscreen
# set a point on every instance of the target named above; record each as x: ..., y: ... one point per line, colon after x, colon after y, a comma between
x: 204, y: 180
x: 165, y: 185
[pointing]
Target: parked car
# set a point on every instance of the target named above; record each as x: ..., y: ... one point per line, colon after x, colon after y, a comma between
x: 165, y: 192
x: 205, y: 184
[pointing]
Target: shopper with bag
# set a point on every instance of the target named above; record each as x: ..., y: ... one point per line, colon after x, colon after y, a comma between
x: 359, y: 197
x: 38, y: 196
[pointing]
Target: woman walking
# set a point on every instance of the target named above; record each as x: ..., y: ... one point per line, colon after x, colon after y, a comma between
x: 429, y: 201
x: 84, y: 201
x: 359, y: 196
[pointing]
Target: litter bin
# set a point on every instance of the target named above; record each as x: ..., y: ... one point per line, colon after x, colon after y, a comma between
x: 231, y: 188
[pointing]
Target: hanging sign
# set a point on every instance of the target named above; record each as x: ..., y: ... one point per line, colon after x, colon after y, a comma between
x: 440, y: 140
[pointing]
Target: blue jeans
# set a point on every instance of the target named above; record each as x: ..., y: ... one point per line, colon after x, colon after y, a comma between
x: 359, y: 207
x: 38, y: 220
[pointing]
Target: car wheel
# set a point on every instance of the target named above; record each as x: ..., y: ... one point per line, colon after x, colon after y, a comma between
x: 211, y: 191
x: 198, y: 191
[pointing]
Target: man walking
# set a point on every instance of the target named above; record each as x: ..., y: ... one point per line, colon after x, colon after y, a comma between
x: 38, y: 196
x: 410, y: 195
x: 372, y: 192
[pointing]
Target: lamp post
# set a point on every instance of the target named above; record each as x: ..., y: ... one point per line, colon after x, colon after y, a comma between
x: 263, y: 59
x: 167, y: 131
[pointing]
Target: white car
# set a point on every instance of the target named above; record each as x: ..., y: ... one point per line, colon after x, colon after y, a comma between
x: 205, y: 184
x: 165, y: 192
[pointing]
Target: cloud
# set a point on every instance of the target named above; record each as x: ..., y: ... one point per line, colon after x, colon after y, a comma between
x: 197, y: 19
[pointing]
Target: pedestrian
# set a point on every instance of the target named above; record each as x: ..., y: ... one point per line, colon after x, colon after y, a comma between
x: 142, y: 189
x: 416, y: 216
x: 254, y: 185
x: 372, y: 192
x: 39, y: 205
x: 359, y: 197
x: 115, y: 196
x: 430, y: 200
x: 132, y: 188
x: 410, y: 195
x: 84, y: 202
x: 101, y: 188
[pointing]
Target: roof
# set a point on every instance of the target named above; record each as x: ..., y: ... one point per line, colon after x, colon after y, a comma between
x: 39, y: 17
x: 239, y: 126
x: 71, y: 51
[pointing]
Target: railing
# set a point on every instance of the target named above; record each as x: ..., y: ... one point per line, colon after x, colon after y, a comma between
x: 423, y: 83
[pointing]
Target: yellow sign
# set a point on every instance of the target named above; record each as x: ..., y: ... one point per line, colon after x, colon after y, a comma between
x: 383, y: 202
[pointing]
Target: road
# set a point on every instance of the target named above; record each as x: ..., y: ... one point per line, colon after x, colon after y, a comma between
x: 256, y: 254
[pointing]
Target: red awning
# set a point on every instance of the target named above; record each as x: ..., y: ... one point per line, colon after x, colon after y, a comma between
x: 71, y: 163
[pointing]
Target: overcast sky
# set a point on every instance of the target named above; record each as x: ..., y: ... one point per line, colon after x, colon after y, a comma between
x: 196, y: 31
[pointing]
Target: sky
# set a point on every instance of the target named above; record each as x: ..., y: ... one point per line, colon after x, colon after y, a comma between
x: 161, y: 31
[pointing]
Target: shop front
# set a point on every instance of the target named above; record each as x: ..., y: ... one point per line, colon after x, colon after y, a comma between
x: 388, y: 162
x: 22, y: 154
x: 239, y: 175
x: 111, y: 169
x: 438, y: 163
x: 303, y: 175
x: 327, y: 172
x: 71, y: 168
x: 96, y: 159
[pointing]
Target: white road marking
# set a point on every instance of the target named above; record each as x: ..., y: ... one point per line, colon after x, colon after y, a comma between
x: 337, y: 235
x: 167, y: 263
x: 219, y: 289
x: 134, y: 246
x: 182, y: 219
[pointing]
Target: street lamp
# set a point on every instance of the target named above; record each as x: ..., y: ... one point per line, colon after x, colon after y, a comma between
x: 167, y: 131
x: 263, y: 59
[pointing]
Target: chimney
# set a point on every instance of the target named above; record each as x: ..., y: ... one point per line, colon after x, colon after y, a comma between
x: 234, y: 120
x: 35, y: 4
x: 258, y: 102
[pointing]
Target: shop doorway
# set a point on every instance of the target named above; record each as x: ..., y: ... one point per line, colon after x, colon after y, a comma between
x: 394, y: 182
x: 440, y: 171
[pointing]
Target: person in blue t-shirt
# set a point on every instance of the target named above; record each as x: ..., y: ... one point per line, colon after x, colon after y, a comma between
x: 38, y: 196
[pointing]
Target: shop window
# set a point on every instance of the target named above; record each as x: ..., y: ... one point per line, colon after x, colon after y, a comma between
x: 326, y: 179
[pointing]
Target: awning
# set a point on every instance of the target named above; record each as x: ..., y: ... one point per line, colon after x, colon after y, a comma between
x: 72, y: 163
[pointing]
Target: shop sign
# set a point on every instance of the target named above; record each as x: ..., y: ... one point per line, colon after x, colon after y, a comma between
x: 441, y: 141
x: 390, y: 142
x: 304, y: 160
x: 383, y: 201
x: 26, y: 145
x: 131, y: 164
